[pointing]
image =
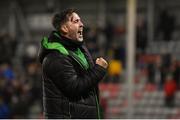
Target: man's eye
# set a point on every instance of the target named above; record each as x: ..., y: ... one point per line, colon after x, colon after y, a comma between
x: 76, y: 21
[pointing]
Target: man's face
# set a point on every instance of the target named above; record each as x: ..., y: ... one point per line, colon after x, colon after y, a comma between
x: 74, y: 27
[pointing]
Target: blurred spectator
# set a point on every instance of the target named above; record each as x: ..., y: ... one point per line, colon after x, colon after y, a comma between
x: 176, y: 73
x: 151, y: 73
x: 6, y: 45
x: 33, y: 79
x: 120, y: 54
x: 158, y: 73
x: 30, y: 54
x: 170, y: 90
x: 109, y: 32
x: 4, y: 109
x: 165, y: 67
x: 166, y: 60
x: 141, y: 35
x: 91, y: 42
x: 114, y: 70
x: 166, y: 25
x: 7, y: 71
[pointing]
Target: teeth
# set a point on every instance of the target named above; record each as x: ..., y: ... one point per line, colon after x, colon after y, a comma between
x: 80, y: 32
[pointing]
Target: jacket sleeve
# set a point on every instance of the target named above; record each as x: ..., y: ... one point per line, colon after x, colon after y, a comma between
x: 62, y: 72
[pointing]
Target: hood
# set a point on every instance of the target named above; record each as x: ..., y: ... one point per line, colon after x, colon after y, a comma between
x: 55, y: 37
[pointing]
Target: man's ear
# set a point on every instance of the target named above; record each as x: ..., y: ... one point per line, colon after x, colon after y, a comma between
x: 64, y: 29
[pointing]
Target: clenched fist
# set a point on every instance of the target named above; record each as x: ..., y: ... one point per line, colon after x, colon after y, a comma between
x: 102, y: 62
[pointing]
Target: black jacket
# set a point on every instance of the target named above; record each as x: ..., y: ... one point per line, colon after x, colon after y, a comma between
x: 69, y: 91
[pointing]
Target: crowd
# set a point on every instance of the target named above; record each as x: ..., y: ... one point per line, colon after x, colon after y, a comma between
x: 21, y: 89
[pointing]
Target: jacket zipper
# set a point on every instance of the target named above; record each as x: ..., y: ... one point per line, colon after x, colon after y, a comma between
x: 97, y: 104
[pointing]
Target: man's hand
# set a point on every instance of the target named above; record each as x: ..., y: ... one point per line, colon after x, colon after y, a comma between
x: 100, y: 61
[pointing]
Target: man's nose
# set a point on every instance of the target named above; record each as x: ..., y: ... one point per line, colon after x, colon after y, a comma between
x: 81, y: 24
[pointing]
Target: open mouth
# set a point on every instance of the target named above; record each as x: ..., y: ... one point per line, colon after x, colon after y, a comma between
x: 80, y: 33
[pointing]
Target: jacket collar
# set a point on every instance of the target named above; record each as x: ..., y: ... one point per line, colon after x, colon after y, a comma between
x: 70, y: 44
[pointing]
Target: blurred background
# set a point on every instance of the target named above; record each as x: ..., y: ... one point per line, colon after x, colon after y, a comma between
x: 153, y: 91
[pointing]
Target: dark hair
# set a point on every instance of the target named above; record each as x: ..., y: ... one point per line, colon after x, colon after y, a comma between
x: 62, y: 17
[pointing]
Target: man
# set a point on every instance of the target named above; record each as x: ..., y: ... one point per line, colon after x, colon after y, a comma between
x: 70, y: 77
